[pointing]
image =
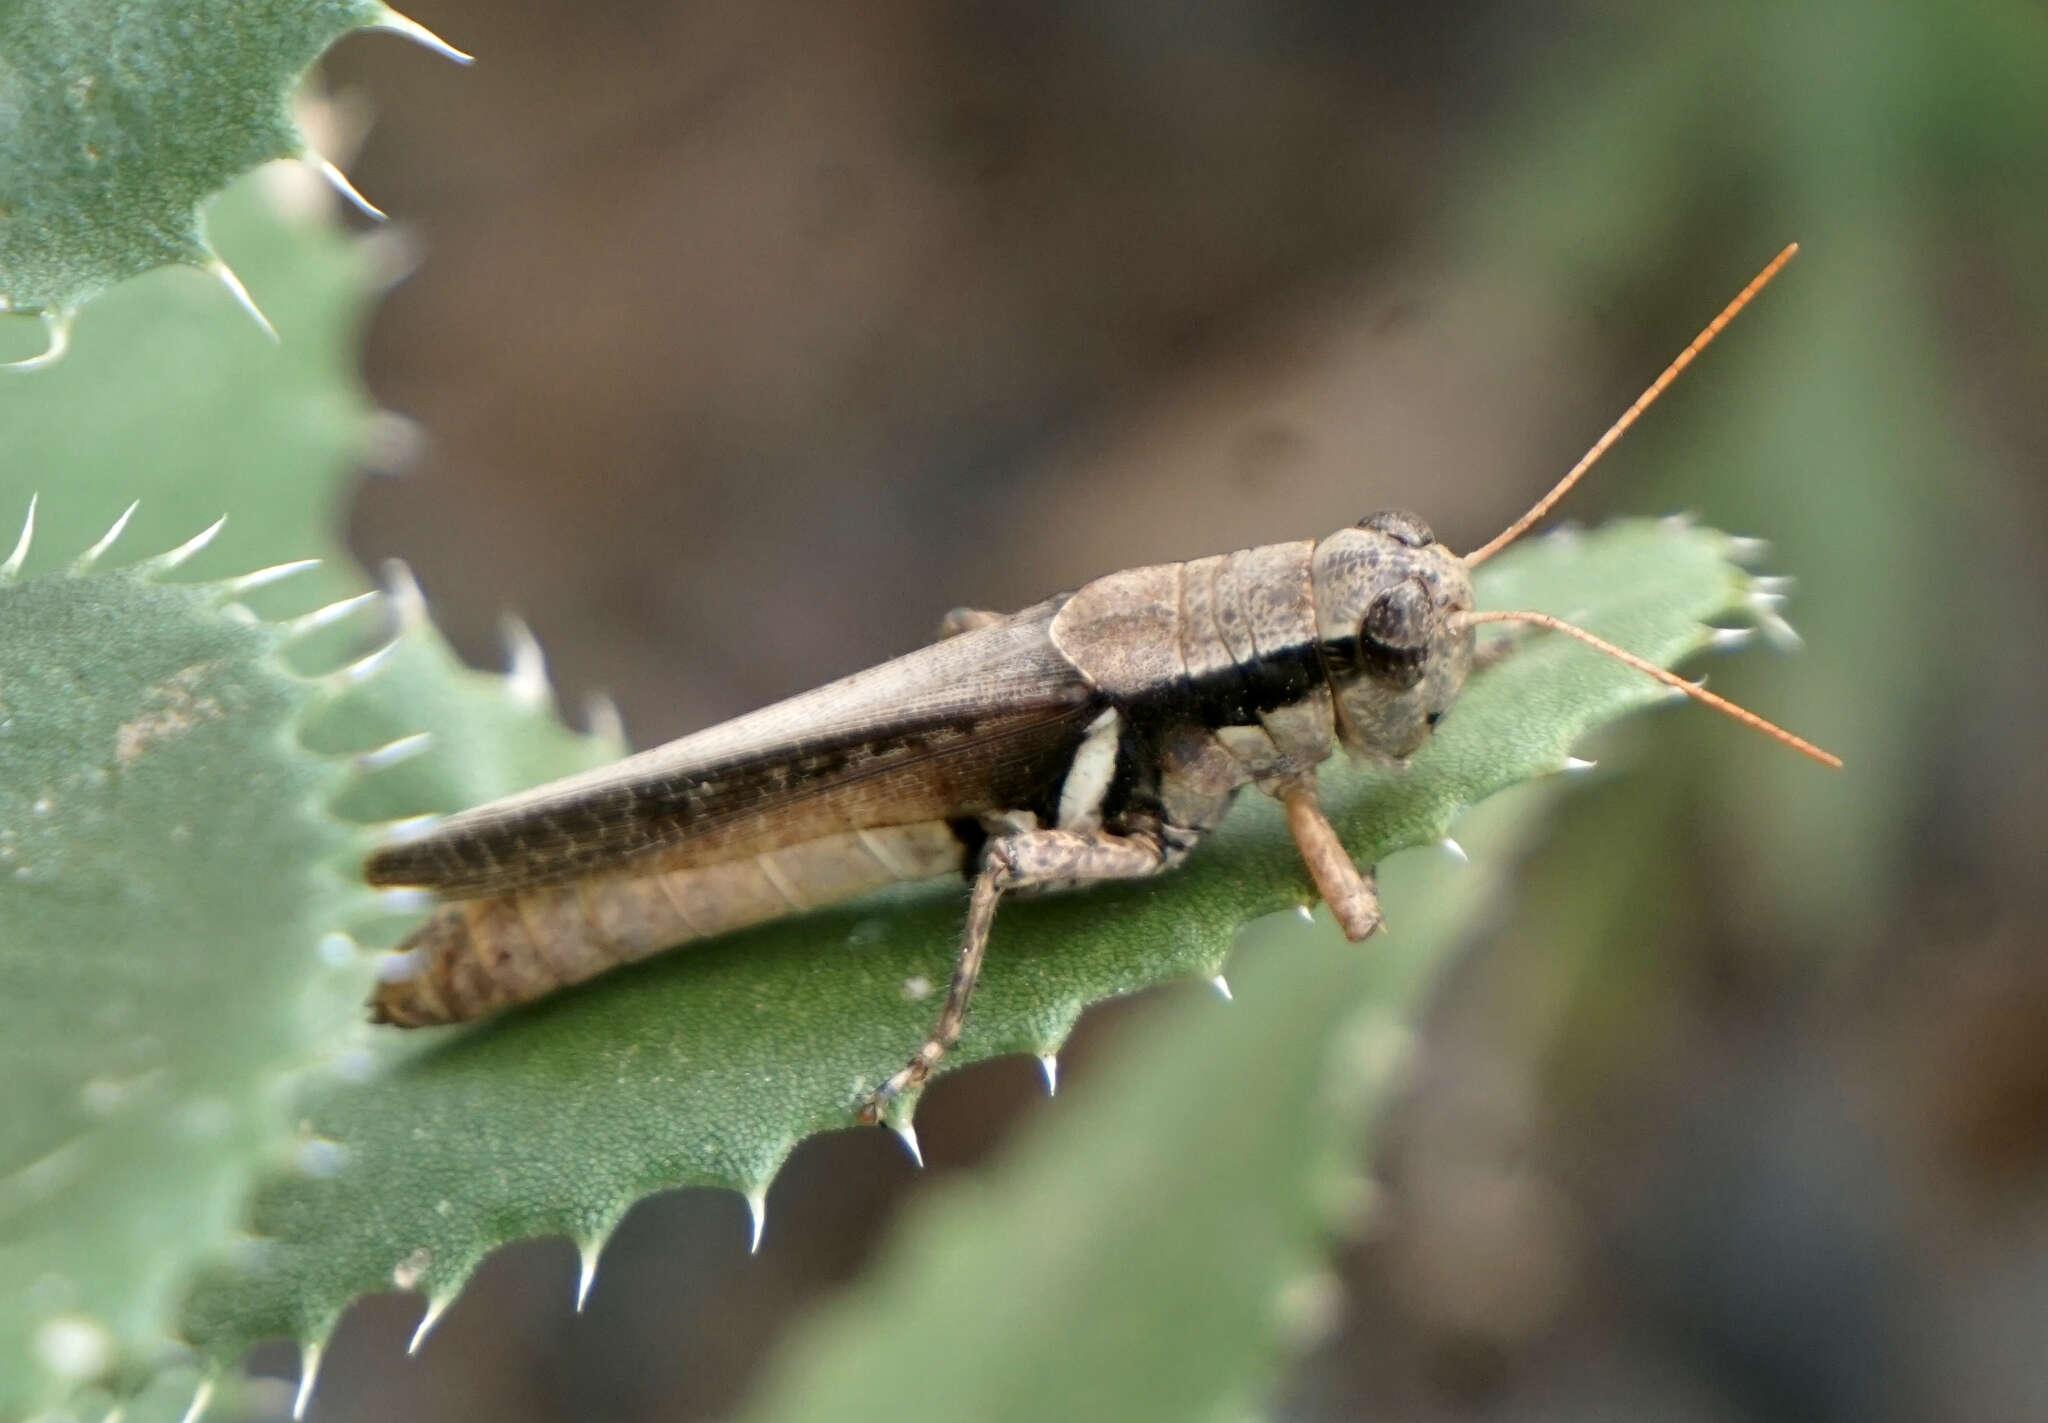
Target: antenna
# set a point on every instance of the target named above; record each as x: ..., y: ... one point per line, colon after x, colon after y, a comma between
x: 1628, y: 417
x: 1670, y: 679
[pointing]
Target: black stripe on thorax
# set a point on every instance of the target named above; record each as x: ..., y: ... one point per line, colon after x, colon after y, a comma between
x: 1232, y: 695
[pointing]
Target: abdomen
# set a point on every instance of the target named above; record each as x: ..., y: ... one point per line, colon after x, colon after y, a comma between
x: 475, y: 956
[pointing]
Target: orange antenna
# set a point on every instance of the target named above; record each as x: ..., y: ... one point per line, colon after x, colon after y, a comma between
x: 1628, y: 417
x: 1670, y: 679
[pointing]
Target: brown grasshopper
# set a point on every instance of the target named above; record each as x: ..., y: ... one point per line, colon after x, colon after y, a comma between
x: 1099, y: 735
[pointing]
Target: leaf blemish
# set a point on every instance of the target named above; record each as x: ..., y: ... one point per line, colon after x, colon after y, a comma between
x: 172, y: 708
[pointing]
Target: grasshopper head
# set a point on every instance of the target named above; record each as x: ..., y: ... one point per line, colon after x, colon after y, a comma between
x: 1386, y: 592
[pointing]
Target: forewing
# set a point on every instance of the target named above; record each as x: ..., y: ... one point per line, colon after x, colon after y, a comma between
x: 971, y: 724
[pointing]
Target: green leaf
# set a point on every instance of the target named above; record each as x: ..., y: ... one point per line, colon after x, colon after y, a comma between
x: 126, y: 116
x: 164, y: 906
x: 1188, y: 1195
x: 708, y: 1066
x: 175, y: 886
x: 171, y: 400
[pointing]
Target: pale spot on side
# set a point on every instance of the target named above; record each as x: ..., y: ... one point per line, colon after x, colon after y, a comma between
x: 1088, y: 779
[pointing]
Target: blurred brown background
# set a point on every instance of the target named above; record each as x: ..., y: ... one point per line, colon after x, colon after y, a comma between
x: 748, y: 338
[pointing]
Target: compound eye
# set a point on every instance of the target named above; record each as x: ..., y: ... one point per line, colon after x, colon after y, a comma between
x: 1400, y: 525
x: 1396, y: 627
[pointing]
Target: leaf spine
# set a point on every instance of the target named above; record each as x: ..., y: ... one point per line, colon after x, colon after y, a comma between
x: 437, y: 1305
x: 327, y: 169
x: 264, y: 577
x: 757, y: 1210
x: 906, y: 1132
x: 309, y: 1377
x: 225, y: 275
x: 85, y: 561
x: 202, y: 1399
x: 172, y: 558
x: 11, y: 569
x: 397, y: 24
x: 57, y: 334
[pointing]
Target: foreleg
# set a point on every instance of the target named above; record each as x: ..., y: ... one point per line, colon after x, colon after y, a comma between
x: 1349, y: 891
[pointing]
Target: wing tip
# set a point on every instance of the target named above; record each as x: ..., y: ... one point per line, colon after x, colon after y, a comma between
x: 395, y: 867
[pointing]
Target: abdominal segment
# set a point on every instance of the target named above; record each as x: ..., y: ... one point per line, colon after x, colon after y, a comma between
x: 475, y: 956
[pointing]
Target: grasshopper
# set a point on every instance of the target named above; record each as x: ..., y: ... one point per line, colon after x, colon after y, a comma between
x: 1099, y: 735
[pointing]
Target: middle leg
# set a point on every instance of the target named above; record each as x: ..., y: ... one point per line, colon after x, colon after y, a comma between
x: 1019, y: 861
